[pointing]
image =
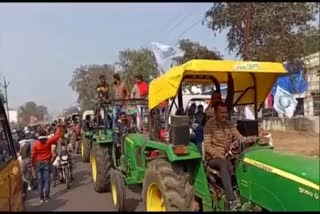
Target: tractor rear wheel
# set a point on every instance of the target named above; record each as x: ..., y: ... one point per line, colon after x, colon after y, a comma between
x: 100, y: 168
x: 166, y: 188
x: 85, y: 150
x: 118, y: 190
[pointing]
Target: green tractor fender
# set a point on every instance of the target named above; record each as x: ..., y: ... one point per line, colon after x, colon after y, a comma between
x: 278, y: 181
x: 101, y: 137
x: 87, y: 134
x: 136, y: 149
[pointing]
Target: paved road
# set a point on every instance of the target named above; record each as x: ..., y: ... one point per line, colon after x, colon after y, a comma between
x: 81, y: 196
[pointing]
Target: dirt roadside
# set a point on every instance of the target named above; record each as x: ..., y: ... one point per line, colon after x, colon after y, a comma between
x: 305, y: 143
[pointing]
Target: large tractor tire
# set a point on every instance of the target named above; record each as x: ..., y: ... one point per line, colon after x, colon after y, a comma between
x: 85, y: 150
x: 166, y: 188
x: 118, y: 190
x: 100, y: 168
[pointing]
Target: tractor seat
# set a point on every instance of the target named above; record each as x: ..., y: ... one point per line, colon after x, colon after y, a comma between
x: 209, y: 169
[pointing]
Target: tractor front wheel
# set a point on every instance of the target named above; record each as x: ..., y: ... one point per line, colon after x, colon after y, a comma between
x: 118, y: 190
x: 85, y: 150
x: 100, y: 168
x: 166, y: 188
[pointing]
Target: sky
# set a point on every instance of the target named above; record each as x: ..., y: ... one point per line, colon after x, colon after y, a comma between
x: 42, y: 44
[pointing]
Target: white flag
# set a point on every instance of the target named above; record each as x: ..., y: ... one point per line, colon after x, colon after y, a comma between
x: 284, y: 102
x: 164, y: 52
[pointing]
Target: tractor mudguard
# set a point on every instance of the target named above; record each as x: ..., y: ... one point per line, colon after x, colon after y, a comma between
x: 87, y: 134
x: 134, y: 149
x: 278, y: 181
x: 103, y: 138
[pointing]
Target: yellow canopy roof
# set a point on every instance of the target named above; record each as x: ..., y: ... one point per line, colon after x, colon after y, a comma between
x: 266, y: 73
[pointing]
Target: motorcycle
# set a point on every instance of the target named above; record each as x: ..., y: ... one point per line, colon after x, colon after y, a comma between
x: 65, y: 166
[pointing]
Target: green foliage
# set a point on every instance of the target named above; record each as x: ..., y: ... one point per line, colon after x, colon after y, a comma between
x: 85, y: 80
x: 31, y: 109
x: 133, y: 62
x: 312, y: 42
x: 193, y: 50
x: 277, y: 30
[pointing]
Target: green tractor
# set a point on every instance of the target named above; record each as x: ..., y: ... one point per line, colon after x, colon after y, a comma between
x: 174, y: 174
x: 86, y: 136
x: 100, y: 152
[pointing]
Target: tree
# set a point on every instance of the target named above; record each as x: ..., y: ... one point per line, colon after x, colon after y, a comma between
x: 193, y: 50
x: 85, y: 80
x: 133, y: 62
x: 277, y: 31
x: 31, y: 109
x: 312, y: 42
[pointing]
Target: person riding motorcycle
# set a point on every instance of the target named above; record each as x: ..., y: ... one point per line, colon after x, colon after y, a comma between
x: 56, y: 162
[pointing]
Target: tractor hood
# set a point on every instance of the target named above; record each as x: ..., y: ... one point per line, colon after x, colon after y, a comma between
x: 299, y: 169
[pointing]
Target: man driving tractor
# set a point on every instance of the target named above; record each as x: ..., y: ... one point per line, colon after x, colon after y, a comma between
x: 219, y: 135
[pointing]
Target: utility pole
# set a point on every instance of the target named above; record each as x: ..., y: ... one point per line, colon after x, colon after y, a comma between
x: 247, y: 32
x: 5, y: 86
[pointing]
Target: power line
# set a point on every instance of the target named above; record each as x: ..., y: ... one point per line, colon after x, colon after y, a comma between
x: 179, y: 23
x: 188, y: 29
x: 172, y: 20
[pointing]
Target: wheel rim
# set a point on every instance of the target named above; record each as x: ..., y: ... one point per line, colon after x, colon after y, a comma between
x: 155, y: 200
x: 94, y: 168
x: 114, y: 194
x: 82, y: 149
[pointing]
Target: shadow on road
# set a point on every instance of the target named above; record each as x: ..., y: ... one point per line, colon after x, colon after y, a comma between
x: 50, y: 205
x: 132, y: 204
x: 136, y: 188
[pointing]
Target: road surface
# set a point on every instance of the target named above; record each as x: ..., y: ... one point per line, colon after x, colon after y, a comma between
x: 81, y: 196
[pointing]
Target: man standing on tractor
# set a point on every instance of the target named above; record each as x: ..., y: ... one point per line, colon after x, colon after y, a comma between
x: 139, y: 91
x: 103, y: 89
x: 120, y: 131
x: 120, y: 93
x: 218, y: 138
x: 41, y: 158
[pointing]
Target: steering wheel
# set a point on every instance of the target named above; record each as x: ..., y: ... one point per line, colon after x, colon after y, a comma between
x: 238, y: 149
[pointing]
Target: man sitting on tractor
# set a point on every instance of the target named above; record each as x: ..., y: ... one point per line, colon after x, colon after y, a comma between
x: 215, y: 97
x: 120, y: 131
x: 218, y: 138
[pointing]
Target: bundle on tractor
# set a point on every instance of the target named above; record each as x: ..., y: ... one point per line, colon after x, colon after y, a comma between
x: 174, y: 174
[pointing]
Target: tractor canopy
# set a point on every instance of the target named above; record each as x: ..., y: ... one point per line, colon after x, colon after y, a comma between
x: 259, y: 76
x: 299, y: 169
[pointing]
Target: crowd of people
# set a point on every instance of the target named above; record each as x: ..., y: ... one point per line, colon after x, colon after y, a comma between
x: 38, y: 154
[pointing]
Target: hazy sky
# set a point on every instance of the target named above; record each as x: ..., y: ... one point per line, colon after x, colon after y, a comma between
x: 42, y: 44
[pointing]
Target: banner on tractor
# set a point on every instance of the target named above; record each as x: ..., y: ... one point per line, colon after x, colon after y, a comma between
x: 284, y: 102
